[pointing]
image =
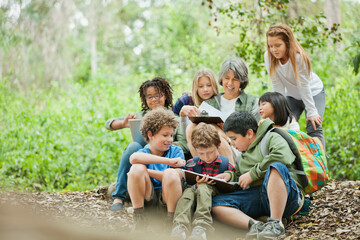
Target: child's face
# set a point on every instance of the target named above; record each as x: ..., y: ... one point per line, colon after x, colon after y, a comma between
x: 205, y: 89
x: 277, y: 47
x: 161, y: 141
x: 231, y: 85
x: 154, y: 98
x: 208, y: 154
x: 266, y: 110
x: 238, y: 141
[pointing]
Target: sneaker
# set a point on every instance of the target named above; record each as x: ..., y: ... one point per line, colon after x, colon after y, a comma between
x: 255, y: 229
x: 198, y: 233
x: 117, y: 206
x: 140, y: 221
x: 273, y: 229
x: 178, y: 232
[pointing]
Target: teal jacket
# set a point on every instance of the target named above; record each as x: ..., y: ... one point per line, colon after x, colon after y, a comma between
x: 244, y: 102
x: 179, y: 137
x: 252, y: 160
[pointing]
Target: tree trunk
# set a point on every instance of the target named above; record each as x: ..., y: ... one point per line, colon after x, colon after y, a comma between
x: 332, y: 13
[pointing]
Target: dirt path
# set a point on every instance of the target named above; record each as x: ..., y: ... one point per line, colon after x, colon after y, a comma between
x: 86, y: 215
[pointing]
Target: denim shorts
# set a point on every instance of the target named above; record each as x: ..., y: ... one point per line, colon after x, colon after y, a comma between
x: 254, y: 201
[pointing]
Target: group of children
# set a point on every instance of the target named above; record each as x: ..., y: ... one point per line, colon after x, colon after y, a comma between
x: 152, y: 174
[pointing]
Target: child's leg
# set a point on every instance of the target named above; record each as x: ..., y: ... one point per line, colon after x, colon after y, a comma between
x: 139, y: 185
x: 282, y: 194
x: 320, y: 106
x: 171, y: 188
x: 296, y: 106
x: 277, y: 194
x: 189, y: 130
x: 185, y: 209
x: 231, y: 216
x: 124, y: 167
x: 202, y: 214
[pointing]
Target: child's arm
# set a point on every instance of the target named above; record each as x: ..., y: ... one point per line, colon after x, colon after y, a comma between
x: 119, y: 123
x: 147, y: 158
x: 156, y: 174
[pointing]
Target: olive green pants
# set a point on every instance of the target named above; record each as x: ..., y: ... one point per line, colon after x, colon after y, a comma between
x: 194, y: 207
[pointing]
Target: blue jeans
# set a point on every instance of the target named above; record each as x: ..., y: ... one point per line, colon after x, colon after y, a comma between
x: 124, y: 167
x: 254, y: 201
x: 298, y: 106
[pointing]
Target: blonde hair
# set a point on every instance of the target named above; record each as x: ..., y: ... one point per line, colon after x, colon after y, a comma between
x: 195, y: 84
x: 293, y: 47
x: 205, y: 135
x: 155, y: 120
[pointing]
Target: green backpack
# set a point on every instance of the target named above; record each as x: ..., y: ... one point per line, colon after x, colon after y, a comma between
x: 310, y: 158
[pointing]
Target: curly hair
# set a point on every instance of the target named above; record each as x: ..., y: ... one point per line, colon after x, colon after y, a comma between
x: 156, y: 119
x: 161, y: 86
x: 205, y: 135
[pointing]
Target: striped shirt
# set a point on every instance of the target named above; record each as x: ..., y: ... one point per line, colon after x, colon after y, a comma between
x: 211, y: 169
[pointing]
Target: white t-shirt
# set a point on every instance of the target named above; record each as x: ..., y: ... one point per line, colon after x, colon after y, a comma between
x: 287, y: 84
x: 227, y: 107
x: 294, y: 125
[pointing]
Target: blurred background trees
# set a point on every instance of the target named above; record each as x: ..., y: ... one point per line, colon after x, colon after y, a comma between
x: 66, y: 66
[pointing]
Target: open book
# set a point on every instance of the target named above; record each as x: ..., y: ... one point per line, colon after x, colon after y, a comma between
x: 209, y: 114
x: 221, y: 184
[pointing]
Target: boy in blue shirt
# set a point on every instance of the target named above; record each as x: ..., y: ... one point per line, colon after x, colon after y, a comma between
x: 145, y: 185
x: 196, y: 200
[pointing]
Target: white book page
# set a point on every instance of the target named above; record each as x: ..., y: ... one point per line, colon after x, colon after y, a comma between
x: 213, y: 112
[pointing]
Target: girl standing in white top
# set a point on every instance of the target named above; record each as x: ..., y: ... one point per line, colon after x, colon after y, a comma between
x: 290, y: 72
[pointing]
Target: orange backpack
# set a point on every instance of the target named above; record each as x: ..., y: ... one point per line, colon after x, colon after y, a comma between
x: 310, y: 158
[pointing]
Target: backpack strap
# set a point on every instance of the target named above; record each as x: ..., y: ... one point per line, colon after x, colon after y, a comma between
x: 298, y: 162
x: 197, y: 168
x: 224, y: 165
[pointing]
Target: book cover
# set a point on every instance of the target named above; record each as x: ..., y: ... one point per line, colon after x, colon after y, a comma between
x: 221, y: 184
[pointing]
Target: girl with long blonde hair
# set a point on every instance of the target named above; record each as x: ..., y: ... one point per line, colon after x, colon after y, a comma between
x: 290, y: 72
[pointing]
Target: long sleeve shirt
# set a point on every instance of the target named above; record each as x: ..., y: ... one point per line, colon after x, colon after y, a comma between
x: 286, y: 83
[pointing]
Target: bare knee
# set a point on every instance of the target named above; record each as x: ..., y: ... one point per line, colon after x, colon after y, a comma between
x: 137, y: 170
x: 171, y: 176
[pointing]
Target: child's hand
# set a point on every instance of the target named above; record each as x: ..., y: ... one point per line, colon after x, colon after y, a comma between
x: 245, y: 180
x: 190, y: 111
x: 126, y: 120
x: 204, y: 179
x: 176, y: 162
x: 316, y: 119
x: 220, y: 125
x: 225, y: 176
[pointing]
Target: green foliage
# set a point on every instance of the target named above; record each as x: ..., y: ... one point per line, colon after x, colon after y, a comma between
x: 356, y: 62
x: 52, y: 110
x: 57, y: 140
x: 250, y: 25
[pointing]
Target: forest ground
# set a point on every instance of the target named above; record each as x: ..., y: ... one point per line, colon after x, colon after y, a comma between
x: 86, y: 215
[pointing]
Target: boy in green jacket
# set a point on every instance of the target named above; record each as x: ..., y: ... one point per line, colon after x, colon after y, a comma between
x: 269, y: 189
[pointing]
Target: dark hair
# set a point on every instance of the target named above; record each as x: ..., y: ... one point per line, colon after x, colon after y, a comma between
x: 240, y: 122
x: 281, y: 107
x: 161, y: 85
x: 205, y: 135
